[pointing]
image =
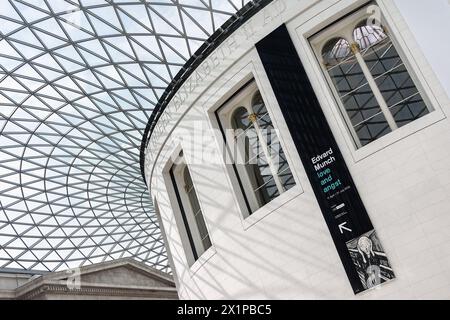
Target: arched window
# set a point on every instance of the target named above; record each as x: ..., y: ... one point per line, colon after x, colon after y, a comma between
x: 196, y: 211
x: 390, y: 74
x: 375, y: 90
x: 362, y: 112
x: 260, y: 162
x: 251, y: 163
x: 240, y: 119
x: 335, y: 51
x: 197, y: 240
x: 368, y: 35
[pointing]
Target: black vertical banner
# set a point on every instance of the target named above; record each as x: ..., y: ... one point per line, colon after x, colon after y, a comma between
x: 356, y: 241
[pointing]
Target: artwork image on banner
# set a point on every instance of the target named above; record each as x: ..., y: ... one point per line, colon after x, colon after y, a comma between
x: 370, y: 260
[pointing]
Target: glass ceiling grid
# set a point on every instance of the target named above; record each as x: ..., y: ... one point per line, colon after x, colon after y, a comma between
x: 78, y: 82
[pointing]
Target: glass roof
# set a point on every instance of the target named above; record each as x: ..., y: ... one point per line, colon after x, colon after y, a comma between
x: 78, y: 82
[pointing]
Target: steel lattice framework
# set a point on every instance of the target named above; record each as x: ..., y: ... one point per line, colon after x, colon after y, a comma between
x: 78, y: 81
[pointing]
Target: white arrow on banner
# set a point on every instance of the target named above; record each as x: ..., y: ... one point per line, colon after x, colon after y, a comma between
x: 342, y: 228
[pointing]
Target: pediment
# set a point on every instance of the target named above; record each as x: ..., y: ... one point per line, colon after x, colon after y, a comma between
x: 124, y: 272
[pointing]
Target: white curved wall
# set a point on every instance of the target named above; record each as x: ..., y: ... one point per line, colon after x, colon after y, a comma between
x: 286, y: 252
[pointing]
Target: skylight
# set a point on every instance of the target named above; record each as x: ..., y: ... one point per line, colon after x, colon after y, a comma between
x: 78, y: 82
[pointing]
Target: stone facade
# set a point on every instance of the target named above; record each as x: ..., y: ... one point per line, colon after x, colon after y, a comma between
x: 122, y: 279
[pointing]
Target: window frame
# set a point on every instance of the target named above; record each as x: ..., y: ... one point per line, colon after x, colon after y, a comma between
x: 344, y: 28
x: 174, y: 181
x: 243, y: 98
x: 248, y: 68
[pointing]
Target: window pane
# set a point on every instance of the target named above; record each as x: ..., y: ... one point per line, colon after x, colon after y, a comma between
x: 361, y: 105
x: 268, y: 131
x: 368, y: 35
x: 207, y: 242
x: 240, y: 119
x: 262, y: 180
x: 194, y: 201
x: 263, y: 120
x: 258, y: 105
x: 203, y: 231
x: 252, y: 144
x: 284, y: 172
x: 335, y: 51
x: 265, y: 123
x: 372, y: 129
x: 200, y: 226
x: 395, y: 83
x: 396, y: 86
x: 281, y: 164
x: 260, y: 186
x: 264, y: 173
x: 356, y: 95
x: 409, y: 110
x: 189, y: 188
x: 381, y: 58
x: 276, y: 152
x: 365, y: 115
x: 347, y: 76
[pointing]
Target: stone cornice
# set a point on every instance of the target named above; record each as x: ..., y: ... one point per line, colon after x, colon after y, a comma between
x: 57, y: 283
x: 96, y: 290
